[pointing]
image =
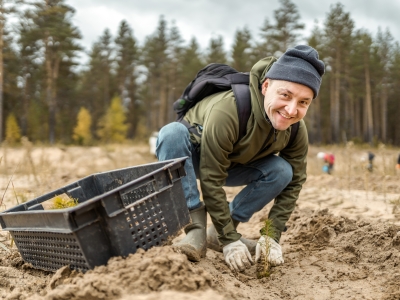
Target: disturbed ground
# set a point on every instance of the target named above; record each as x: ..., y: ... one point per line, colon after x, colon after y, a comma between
x: 343, y: 240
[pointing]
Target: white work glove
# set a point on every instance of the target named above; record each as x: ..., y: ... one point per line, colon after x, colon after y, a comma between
x: 237, y: 256
x: 275, y: 257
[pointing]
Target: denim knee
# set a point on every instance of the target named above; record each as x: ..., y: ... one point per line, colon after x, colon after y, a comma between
x: 284, y: 172
x: 173, y: 139
x: 171, y: 133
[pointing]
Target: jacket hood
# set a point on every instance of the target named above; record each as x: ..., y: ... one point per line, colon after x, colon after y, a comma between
x: 257, y: 75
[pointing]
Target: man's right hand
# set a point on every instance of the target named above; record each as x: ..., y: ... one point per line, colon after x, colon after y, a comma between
x: 237, y: 256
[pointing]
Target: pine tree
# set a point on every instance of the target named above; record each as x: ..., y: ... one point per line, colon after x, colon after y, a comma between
x: 82, y: 132
x: 100, y: 79
x: 385, y: 47
x: 191, y: 62
x: 241, y: 51
x: 91, y: 87
x: 31, y: 77
x: 284, y: 33
x: 13, y: 132
x: 174, y: 82
x: 127, y: 58
x: 113, y: 127
x: 216, y: 52
x: 6, y: 53
x: 155, y: 58
x: 11, y: 69
x: 338, y: 34
x: 52, y: 28
x: 393, y: 102
x: 264, y: 46
x: 313, y: 117
x: 105, y: 52
x: 365, y: 43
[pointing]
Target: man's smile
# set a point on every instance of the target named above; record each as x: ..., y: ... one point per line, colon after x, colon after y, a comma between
x: 283, y: 115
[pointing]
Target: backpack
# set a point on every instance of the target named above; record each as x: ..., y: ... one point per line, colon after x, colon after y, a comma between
x: 215, y: 78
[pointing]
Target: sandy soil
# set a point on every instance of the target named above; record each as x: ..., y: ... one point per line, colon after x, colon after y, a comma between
x: 343, y: 240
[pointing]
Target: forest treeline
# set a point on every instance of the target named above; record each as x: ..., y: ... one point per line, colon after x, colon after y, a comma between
x: 127, y: 87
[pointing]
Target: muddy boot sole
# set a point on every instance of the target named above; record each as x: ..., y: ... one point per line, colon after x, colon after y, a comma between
x: 191, y: 253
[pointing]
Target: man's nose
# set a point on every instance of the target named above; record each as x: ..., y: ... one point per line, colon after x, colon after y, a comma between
x: 291, y: 108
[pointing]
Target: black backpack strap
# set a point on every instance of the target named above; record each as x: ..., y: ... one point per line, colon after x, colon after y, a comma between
x: 293, y: 134
x: 191, y: 128
x: 243, y: 103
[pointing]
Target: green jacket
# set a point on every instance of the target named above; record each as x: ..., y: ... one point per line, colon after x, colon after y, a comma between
x: 220, y: 149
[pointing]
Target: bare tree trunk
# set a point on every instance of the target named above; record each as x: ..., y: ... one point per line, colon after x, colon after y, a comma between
x: 25, y: 99
x: 357, y: 117
x: 317, y: 120
x: 384, y: 113
x: 106, y: 95
x: 52, y: 65
x: 163, y: 98
x: 49, y: 88
x: 1, y: 72
x: 154, y: 95
x: 332, y: 107
x: 336, y: 124
x: 368, y: 100
x: 352, y: 120
x: 376, y: 113
x: 172, y: 94
x: 163, y: 105
x: 349, y: 113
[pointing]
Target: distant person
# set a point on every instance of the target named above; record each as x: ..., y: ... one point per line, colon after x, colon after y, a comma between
x: 281, y: 92
x: 371, y: 157
x: 329, y: 161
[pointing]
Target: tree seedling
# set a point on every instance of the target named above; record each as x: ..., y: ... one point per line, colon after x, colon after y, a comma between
x: 60, y: 202
x: 267, y: 231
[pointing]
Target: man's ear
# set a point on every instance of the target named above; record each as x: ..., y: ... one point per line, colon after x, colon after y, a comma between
x: 264, y: 86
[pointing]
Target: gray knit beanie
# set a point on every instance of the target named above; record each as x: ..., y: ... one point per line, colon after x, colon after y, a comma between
x: 301, y: 65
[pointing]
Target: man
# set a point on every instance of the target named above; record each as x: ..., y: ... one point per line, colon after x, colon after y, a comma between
x: 281, y: 92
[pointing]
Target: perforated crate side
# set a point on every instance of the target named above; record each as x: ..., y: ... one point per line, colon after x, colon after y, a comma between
x: 81, y: 250
x: 149, y: 222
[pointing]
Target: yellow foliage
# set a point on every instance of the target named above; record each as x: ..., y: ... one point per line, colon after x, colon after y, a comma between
x: 82, y: 134
x: 112, y: 127
x: 13, y: 132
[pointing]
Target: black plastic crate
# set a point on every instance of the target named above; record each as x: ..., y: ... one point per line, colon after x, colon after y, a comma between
x: 118, y: 212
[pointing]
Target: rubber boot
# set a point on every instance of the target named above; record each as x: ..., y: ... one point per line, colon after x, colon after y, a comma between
x: 212, y: 240
x: 194, y: 244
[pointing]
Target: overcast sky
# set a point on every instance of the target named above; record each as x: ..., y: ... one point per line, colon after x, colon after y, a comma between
x: 209, y: 18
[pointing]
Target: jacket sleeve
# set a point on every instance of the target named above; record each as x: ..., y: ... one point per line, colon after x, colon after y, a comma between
x: 285, y: 202
x: 220, y: 132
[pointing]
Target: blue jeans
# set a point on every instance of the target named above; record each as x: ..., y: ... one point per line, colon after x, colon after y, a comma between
x: 264, y: 179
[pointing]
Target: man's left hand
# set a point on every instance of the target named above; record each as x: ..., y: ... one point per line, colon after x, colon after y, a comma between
x: 275, y: 251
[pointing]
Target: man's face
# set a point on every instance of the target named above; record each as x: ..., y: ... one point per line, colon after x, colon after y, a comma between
x: 285, y: 102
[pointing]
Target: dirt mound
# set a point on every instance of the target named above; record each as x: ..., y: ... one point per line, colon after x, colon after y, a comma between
x: 19, y: 277
x: 156, y: 270
x: 346, y: 250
